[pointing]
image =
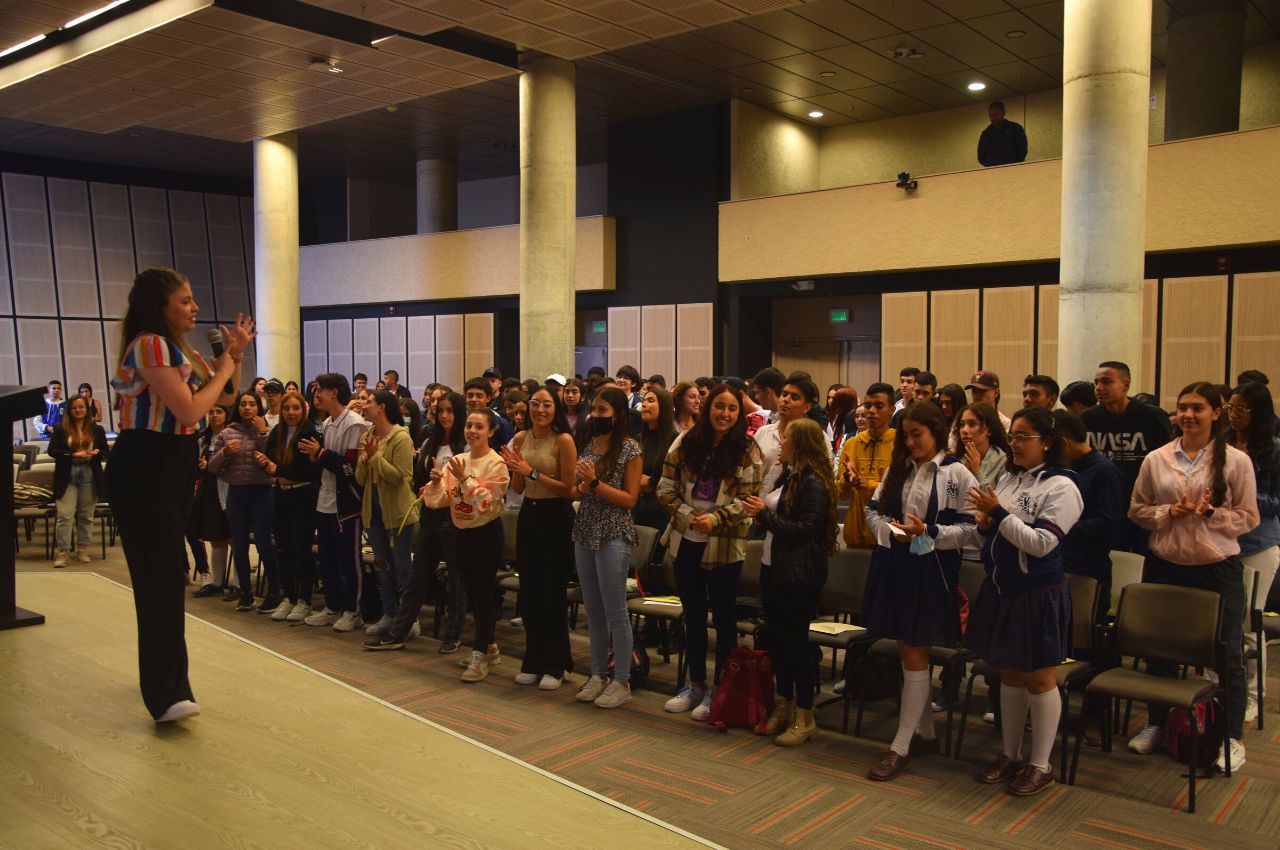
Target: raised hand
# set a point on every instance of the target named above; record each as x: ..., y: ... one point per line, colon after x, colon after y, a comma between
x: 238, y: 336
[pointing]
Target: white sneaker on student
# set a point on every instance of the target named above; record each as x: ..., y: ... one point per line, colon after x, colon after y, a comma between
x: 348, y: 622
x: 327, y: 617
x: 703, y: 711
x: 1237, y: 756
x: 299, y: 612
x: 1147, y: 741
x: 616, y: 694
x: 591, y: 689
x: 82, y: 555
x: 379, y: 627
x: 688, y: 697
x: 1250, y: 713
x: 549, y: 683
x: 526, y: 678
x: 179, y: 710
x: 415, y: 630
x: 282, y: 612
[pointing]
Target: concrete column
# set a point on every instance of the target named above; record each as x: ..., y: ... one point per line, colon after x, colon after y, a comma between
x: 1204, y: 60
x: 275, y: 240
x: 1106, y: 81
x: 548, y: 193
x: 437, y: 195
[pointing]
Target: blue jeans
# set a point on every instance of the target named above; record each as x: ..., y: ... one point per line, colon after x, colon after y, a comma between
x: 602, y: 578
x: 76, y: 505
x: 392, y: 553
x: 249, y: 509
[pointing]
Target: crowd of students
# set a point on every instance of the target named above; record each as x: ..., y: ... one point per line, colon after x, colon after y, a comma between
x: 931, y: 478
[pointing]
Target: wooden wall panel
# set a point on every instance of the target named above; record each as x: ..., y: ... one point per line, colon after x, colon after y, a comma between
x: 1148, y: 379
x: 449, y: 351
x: 478, y: 339
x: 658, y: 342
x: 1047, y: 340
x: 1008, y: 339
x: 422, y: 354
x: 953, y: 344
x: 1193, y: 330
x: 904, y: 327
x: 695, y: 342
x: 624, y: 337
x: 1255, y: 334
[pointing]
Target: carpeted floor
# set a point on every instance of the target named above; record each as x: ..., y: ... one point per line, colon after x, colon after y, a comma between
x: 742, y: 792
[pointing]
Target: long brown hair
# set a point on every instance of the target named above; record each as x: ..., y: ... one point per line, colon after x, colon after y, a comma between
x: 699, y: 444
x: 928, y: 415
x: 617, y: 400
x: 1220, y: 435
x: 145, y: 314
x: 280, y: 436
x: 809, y: 450
x: 666, y: 430
x: 988, y: 416
x: 79, y: 437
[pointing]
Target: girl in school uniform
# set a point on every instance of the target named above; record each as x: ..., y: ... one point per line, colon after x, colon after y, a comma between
x: 919, y: 521
x: 1021, y: 620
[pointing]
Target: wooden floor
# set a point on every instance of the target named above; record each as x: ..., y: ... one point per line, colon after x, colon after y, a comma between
x: 283, y: 755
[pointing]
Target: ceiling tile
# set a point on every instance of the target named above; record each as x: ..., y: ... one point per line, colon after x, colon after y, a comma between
x: 813, y: 67
x: 733, y: 86
x: 800, y: 109
x: 1037, y: 41
x: 929, y: 62
x: 966, y: 44
x: 960, y: 80
x: 1047, y: 15
x: 781, y: 80
x: 965, y: 9
x: 932, y: 92
x: 890, y: 99
x: 694, y: 46
x: 1020, y: 76
x: 906, y: 14
x: 793, y: 29
x: 868, y: 63
x: 847, y: 104
x: 1050, y: 65
x: 747, y: 40
x: 845, y: 19
x: 650, y: 56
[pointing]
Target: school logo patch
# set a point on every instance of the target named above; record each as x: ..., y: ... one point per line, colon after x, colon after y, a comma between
x: 953, y: 489
x: 1025, y: 503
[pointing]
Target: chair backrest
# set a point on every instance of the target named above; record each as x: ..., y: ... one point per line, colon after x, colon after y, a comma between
x: 749, y: 581
x: 1126, y: 569
x: 1084, y: 610
x: 1165, y: 622
x: 846, y: 581
x: 972, y: 575
x: 509, y: 535
x: 642, y: 552
x: 41, y: 476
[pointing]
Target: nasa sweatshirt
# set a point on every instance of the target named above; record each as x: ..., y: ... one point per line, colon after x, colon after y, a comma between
x: 1126, y: 439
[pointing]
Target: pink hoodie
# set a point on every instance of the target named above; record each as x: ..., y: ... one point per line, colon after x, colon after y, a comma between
x: 1192, y: 540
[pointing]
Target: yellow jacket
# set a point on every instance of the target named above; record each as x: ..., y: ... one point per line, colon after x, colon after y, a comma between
x: 871, y: 459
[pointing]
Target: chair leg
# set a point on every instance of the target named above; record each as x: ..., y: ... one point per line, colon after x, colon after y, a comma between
x: 1075, y: 753
x: 1063, y: 726
x: 964, y: 715
x: 1192, y: 769
x: 1261, y: 640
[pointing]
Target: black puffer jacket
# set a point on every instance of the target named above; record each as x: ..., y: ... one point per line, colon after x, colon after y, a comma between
x: 799, y: 551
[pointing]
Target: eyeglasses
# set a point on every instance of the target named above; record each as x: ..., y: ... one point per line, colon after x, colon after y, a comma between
x: 541, y: 405
x: 1236, y: 408
x: 1018, y: 439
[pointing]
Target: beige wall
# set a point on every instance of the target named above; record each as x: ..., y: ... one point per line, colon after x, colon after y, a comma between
x: 458, y: 264
x: 947, y: 140
x: 847, y: 353
x: 771, y: 154
x: 949, y: 223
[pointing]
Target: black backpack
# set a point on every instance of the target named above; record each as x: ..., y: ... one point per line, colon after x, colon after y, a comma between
x: 874, y: 677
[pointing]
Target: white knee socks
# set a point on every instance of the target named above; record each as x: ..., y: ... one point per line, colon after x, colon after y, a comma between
x: 1013, y: 719
x: 218, y: 564
x: 916, y: 690
x: 1046, y: 709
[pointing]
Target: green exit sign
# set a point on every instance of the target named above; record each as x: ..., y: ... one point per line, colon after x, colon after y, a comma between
x: 599, y: 326
x: 840, y: 315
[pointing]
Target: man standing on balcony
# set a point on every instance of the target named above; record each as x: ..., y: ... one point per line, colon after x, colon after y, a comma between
x: 1003, y: 141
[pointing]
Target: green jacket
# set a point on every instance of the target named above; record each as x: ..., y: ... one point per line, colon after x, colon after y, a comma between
x: 391, y: 471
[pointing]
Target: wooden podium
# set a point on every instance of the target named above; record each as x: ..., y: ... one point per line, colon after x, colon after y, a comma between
x: 15, y: 403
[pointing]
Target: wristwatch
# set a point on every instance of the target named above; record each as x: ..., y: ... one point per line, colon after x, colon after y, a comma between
x: 595, y: 482
x: 533, y: 474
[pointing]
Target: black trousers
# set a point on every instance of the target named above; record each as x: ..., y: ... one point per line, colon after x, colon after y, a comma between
x: 699, y: 589
x: 478, y: 552
x: 151, y: 484
x: 1225, y: 578
x: 788, y: 611
x: 544, y: 558
x: 432, y: 543
x: 294, y: 527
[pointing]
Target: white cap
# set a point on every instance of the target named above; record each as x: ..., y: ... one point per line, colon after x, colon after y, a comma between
x: 558, y: 378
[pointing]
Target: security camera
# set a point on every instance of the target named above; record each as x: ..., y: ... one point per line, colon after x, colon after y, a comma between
x: 901, y: 52
x: 905, y: 181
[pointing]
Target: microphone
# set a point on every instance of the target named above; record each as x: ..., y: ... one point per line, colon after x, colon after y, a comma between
x: 218, y: 346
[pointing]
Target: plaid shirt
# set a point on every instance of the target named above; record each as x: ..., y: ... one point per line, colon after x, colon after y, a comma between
x: 727, y: 540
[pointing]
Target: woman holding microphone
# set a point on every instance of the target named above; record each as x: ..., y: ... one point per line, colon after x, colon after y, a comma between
x: 165, y: 389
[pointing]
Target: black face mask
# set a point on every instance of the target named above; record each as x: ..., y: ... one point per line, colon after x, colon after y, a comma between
x: 600, y: 426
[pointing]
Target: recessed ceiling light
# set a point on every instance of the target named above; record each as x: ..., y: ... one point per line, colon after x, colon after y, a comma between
x: 826, y: 73
x: 329, y: 66
x: 977, y: 86
x: 1015, y: 33
x: 816, y: 114
x: 95, y: 13
x: 15, y: 48
x: 915, y: 54
x: 746, y: 91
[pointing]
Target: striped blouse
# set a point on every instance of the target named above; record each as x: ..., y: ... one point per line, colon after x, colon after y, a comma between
x: 139, y: 405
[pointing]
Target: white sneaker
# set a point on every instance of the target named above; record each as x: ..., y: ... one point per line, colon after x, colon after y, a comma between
x: 327, y: 617
x: 283, y: 610
x: 518, y: 622
x: 414, y: 631
x: 348, y: 622
x: 591, y: 689
x: 703, y: 711
x: 1250, y: 716
x: 299, y: 612
x: 526, y: 678
x: 1150, y: 739
x: 989, y: 718
x: 1237, y: 756
x: 82, y: 555
x: 549, y: 683
x: 379, y: 627
x: 618, y: 693
x: 60, y: 560
x: 688, y: 697
x: 187, y: 708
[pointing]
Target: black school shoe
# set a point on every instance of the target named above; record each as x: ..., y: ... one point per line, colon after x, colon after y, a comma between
x: 270, y: 604
x: 383, y: 642
x: 230, y: 594
x: 449, y: 645
x: 245, y: 603
x: 207, y: 590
